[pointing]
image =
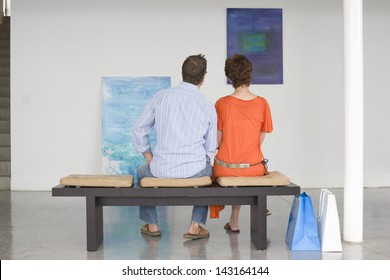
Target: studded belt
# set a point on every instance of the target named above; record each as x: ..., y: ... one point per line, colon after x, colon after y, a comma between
x: 240, y: 165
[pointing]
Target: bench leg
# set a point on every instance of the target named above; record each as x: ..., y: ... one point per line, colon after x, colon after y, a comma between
x: 259, y: 223
x: 94, y: 224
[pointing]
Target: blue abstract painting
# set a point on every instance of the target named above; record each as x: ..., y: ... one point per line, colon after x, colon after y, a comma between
x: 124, y: 98
x: 257, y: 34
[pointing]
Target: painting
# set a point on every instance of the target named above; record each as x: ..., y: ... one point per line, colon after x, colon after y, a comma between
x: 257, y: 34
x: 124, y: 99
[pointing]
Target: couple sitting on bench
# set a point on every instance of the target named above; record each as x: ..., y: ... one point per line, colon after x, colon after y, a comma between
x: 190, y: 129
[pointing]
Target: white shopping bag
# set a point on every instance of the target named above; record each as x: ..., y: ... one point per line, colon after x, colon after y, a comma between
x: 328, y: 223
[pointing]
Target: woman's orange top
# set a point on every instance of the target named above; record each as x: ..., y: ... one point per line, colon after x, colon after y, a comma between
x: 241, y: 122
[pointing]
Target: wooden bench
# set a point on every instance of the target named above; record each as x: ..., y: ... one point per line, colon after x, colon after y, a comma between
x: 104, y: 194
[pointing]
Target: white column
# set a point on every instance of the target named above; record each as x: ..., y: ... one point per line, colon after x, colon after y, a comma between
x: 353, y: 180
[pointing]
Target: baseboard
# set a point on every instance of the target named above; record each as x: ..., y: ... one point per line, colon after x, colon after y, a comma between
x: 376, y: 181
x: 318, y: 182
x: 370, y: 181
x: 34, y: 184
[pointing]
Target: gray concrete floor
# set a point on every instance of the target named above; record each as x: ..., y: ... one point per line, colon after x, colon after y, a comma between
x: 35, y: 225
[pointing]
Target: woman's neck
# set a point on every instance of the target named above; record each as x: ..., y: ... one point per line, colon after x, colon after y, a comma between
x: 243, y: 92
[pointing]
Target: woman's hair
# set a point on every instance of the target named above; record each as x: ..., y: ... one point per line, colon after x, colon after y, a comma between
x: 239, y: 70
x: 194, y: 68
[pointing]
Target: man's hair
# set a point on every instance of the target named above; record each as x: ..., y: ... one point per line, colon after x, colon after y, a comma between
x: 239, y: 70
x: 194, y: 68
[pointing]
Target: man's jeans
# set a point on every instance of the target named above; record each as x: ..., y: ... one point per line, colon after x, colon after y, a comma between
x: 149, y: 213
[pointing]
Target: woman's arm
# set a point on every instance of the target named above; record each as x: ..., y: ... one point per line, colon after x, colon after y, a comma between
x: 219, y: 137
x: 262, y: 136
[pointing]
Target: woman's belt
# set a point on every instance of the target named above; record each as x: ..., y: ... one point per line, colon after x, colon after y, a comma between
x: 240, y: 165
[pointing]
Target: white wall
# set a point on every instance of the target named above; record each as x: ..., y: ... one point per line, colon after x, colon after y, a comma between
x: 376, y: 95
x: 61, y: 49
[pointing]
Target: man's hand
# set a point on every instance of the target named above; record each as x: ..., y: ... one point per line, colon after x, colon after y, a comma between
x: 148, y: 156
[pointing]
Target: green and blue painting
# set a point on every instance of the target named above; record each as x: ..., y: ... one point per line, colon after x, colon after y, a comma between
x: 124, y: 99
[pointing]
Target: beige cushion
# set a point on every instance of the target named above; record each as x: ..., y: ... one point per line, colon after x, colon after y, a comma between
x: 149, y: 182
x: 274, y: 178
x: 113, y: 181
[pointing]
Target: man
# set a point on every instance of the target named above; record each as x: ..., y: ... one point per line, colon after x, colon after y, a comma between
x: 186, y: 128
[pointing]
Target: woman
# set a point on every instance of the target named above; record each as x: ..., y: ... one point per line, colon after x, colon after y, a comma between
x: 243, y: 121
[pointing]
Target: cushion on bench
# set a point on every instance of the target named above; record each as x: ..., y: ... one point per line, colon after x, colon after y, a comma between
x: 150, y: 182
x: 274, y: 178
x: 113, y: 181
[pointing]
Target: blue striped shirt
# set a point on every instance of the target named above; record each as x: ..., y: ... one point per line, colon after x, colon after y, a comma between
x: 186, y: 127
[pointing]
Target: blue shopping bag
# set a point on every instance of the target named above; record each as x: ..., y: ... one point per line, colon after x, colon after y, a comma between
x: 302, y: 231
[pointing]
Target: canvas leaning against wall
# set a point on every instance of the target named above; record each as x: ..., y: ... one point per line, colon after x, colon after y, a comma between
x: 257, y: 34
x: 124, y: 98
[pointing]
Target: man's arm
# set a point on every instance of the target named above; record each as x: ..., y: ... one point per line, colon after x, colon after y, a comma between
x: 141, y: 131
x: 148, y: 156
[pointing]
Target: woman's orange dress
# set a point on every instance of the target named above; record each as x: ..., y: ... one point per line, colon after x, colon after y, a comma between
x: 241, y: 122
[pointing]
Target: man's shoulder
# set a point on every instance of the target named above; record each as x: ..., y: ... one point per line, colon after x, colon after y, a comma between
x: 208, y: 103
x: 161, y: 93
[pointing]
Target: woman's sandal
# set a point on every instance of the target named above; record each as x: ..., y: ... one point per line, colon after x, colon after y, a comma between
x: 227, y: 227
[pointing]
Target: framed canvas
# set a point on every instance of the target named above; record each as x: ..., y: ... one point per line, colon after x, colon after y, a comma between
x: 124, y: 98
x: 257, y: 34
